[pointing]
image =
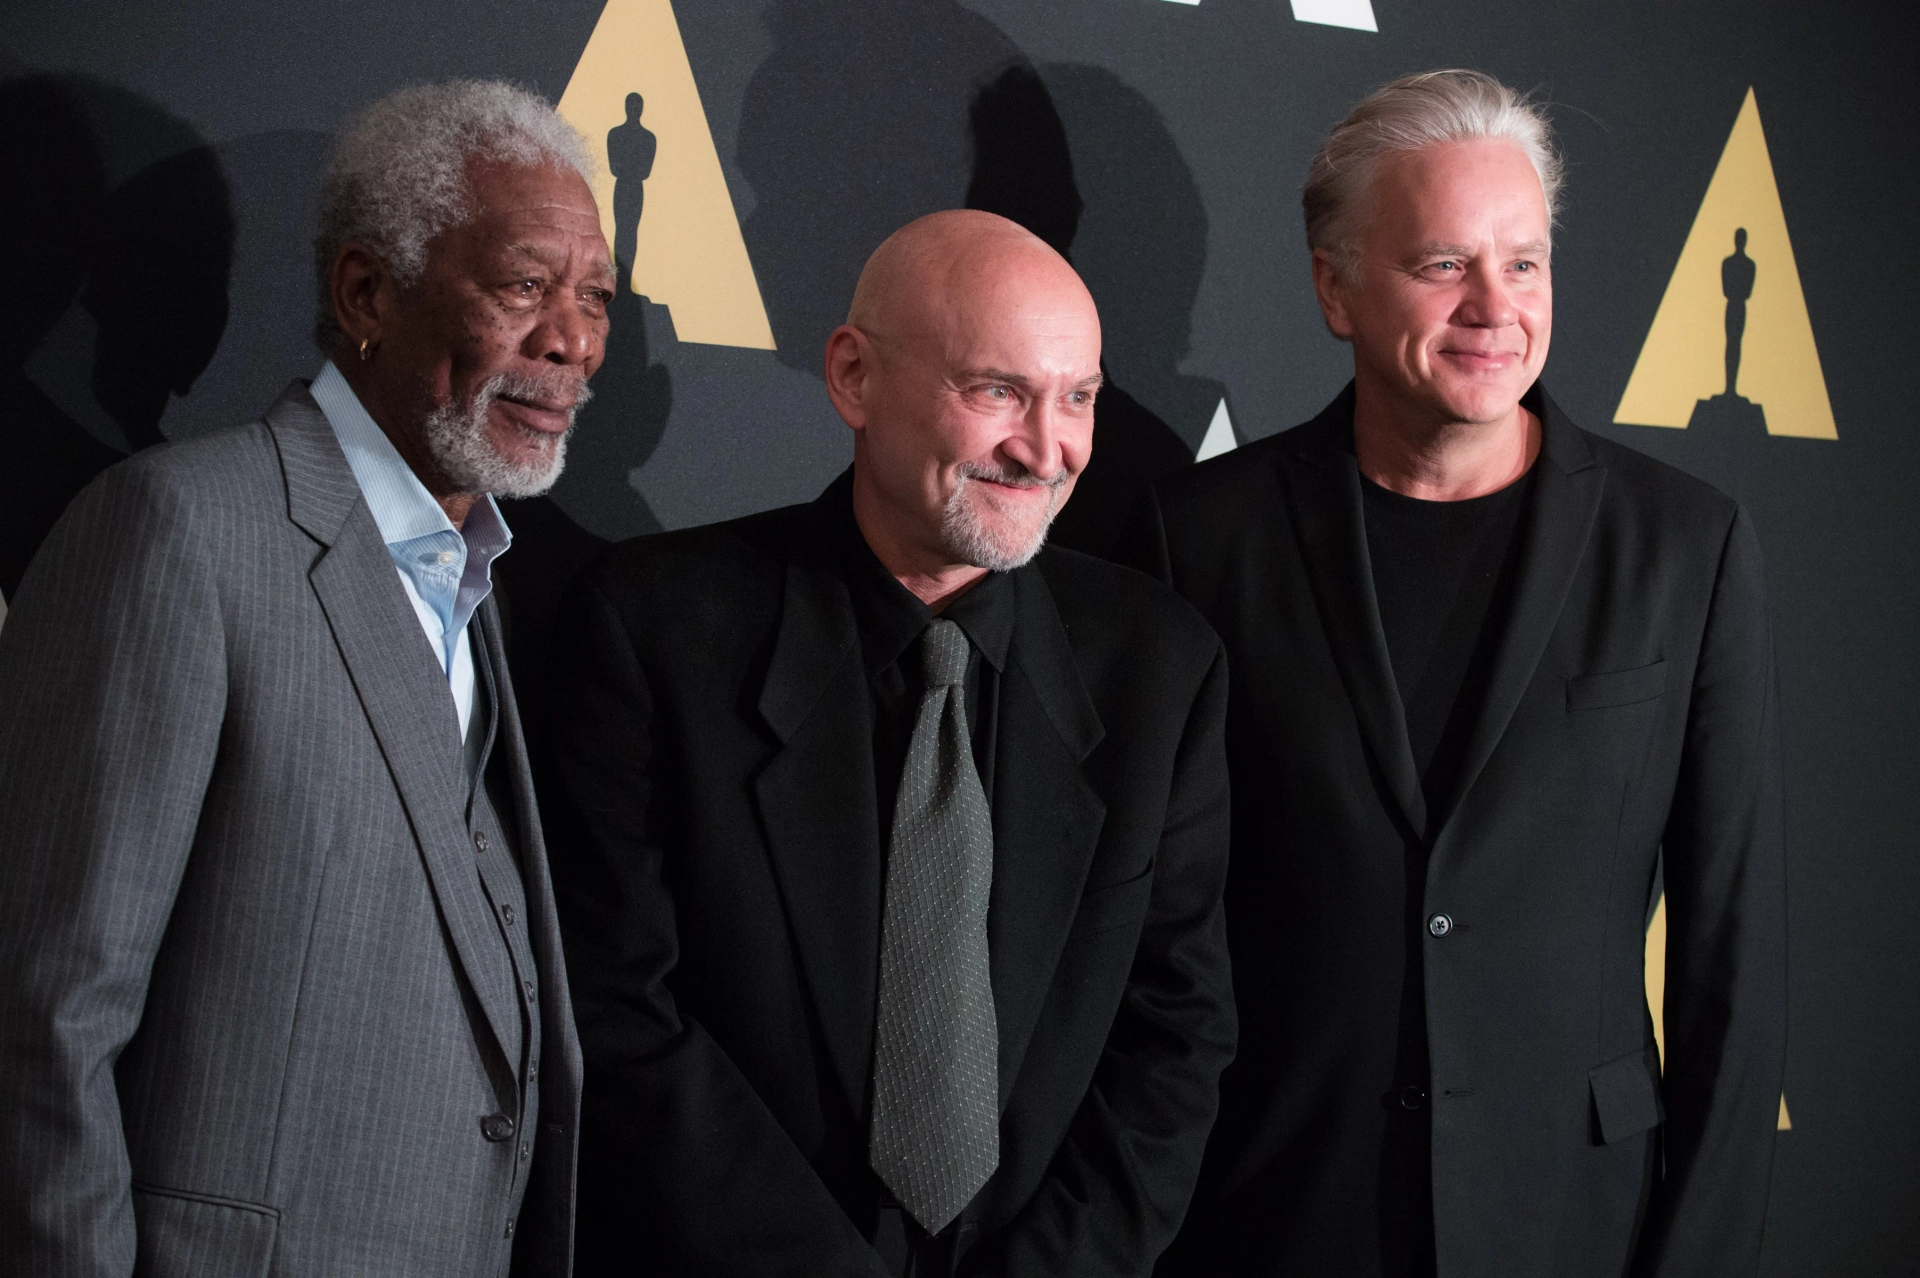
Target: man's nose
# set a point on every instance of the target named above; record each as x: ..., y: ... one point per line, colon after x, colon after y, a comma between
x: 1036, y: 445
x: 1489, y: 298
x: 566, y: 334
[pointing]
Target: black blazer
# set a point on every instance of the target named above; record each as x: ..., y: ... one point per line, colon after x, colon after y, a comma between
x: 720, y: 886
x: 1630, y: 706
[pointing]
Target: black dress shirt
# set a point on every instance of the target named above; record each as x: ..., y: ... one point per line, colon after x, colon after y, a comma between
x: 891, y: 620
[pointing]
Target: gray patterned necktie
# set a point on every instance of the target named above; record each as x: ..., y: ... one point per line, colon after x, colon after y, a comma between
x: 936, y: 1092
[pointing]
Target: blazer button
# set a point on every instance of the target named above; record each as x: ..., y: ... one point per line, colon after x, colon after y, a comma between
x: 1439, y: 925
x: 479, y: 840
x: 496, y: 1127
x: 1412, y: 1098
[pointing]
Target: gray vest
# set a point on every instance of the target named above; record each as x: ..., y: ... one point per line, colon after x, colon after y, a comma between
x: 491, y: 821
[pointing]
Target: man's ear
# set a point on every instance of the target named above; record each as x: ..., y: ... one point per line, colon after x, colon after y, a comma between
x: 849, y: 365
x: 363, y: 293
x: 1331, y: 289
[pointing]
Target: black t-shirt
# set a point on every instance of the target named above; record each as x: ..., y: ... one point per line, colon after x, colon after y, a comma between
x: 1440, y: 572
x: 1443, y: 576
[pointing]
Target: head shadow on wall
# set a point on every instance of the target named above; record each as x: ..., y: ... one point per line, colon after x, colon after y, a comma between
x: 865, y: 117
x: 120, y: 221
x: 1085, y: 162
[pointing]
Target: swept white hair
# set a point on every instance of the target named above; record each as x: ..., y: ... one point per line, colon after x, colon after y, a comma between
x: 1413, y: 112
x: 397, y: 176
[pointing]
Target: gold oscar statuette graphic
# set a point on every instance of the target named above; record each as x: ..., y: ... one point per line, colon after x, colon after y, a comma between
x: 1731, y: 349
x: 663, y: 198
x: 1657, y: 992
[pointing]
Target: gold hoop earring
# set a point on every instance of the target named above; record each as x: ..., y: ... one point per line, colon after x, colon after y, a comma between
x: 365, y: 354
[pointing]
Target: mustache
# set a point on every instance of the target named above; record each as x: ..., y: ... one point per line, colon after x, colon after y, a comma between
x: 563, y: 389
x: 1014, y: 475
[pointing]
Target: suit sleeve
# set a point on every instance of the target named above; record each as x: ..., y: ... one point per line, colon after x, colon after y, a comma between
x: 1115, y: 1194
x: 1726, y: 943
x: 112, y: 693
x: 674, y: 1139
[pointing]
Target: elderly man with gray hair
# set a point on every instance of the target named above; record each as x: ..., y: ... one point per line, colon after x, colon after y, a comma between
x: 280, y: 981
x: 1492, y: 677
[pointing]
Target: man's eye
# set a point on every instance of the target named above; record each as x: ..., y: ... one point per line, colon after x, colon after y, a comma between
x: 1000, y: 394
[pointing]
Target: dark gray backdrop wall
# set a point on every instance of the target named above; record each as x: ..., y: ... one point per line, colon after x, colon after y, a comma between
x: 161, y: 159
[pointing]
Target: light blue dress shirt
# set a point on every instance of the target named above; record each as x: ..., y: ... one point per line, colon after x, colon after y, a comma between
x: 447, y: 572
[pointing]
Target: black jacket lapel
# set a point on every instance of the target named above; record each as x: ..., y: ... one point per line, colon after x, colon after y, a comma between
x: 819, y: 810
x: 1322, y: 480
x: 401, y: 690
x: 1046, y: 818
x: 1567, y: 486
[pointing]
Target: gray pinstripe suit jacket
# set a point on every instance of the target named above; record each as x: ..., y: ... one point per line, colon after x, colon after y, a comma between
x: 249, y: 986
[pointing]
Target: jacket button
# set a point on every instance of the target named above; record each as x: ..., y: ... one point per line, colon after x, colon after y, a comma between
x: 497, y: 1127
x: 1439, y: 925
x: 1412, y: 1098
x: 479, y: 840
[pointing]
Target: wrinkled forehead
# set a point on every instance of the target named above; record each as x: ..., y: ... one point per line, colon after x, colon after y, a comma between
x: 1481, y: 180
x: 518, y: 205
x: 1001, y: 309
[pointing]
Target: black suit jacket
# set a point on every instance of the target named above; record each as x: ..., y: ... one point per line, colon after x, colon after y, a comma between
x: 1630, y: 706
x: 720, y: 887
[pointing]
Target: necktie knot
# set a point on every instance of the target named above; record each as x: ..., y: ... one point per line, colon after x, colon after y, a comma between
x: 943, y: 654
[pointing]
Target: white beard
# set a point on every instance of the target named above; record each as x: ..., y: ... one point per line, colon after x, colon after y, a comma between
x: 968, y: 538
x: 457, y: 439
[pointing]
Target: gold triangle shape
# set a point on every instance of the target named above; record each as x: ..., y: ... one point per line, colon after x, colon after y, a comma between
x: 1682, y: 366
x: 689, y: 255
x: 1656, y: 978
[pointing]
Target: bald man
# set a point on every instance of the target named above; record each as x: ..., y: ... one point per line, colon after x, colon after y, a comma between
x: 893, y: 843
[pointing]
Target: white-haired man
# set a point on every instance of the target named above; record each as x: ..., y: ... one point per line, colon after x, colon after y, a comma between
x: 893, y: 902
x: 1487, y: 667
x: 280, y: 981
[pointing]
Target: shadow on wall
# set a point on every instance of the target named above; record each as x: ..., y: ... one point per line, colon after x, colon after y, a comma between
x: 121, y: 222
x: 1086, y: 163
x: 854, y: 125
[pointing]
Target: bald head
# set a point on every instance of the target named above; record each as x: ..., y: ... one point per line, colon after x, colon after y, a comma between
x: 967, y: 369
x: 961, y: 256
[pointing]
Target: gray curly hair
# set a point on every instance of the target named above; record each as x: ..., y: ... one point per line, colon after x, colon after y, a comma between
x: 397, y: 176
x: 1412, y: 112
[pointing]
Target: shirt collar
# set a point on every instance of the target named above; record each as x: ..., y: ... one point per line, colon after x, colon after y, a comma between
x: 890, y: 618
x: 450, y: 568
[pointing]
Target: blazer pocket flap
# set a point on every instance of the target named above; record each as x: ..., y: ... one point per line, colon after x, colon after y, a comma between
x: 1626, y: 1094
x: 183, y: 1234
x: 1617, y: 687
x: 1104, y: 908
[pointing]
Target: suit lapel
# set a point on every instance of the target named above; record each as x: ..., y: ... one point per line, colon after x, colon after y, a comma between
x: 1567, y: 487
x: 1046, y: 818
x: 1323, y: 483
x: 819, y: 810
x: 400, y: 688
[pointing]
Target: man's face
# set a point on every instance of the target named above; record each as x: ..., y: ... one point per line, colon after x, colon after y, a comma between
x: 979, y: 418
x: 506, y: 324
x: 1451, y: 307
